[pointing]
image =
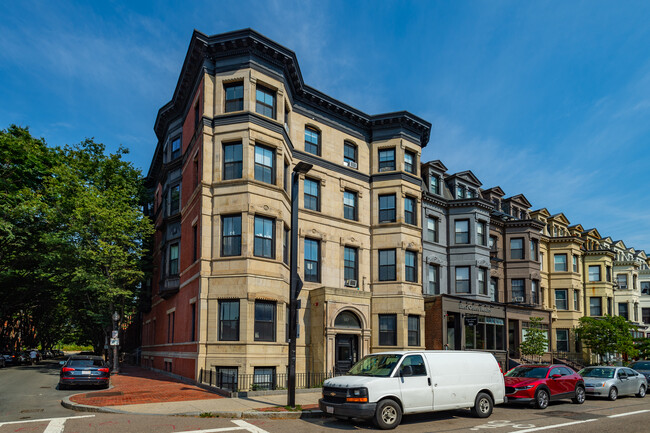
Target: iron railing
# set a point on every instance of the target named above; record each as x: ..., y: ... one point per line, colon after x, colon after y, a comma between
x: 261, y: 382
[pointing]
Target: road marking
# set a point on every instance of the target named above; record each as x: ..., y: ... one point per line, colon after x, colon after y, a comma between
x: 55, y: 426
x: 548, y: 427
x: 243, y: 425
x: 250, y: 427
x: 628, y: 413
x: 44, y: 419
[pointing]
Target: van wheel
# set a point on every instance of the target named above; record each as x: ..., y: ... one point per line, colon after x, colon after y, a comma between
x: 482, y: 405
x: 613, y: 394
x: 580, y: 395
x: 388, y: 415
x: 541, y: 399
x: 641, y: 392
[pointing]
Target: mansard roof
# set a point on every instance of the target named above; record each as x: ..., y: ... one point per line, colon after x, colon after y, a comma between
x: 437, y: 164
x: 496, y: 190
x: 467, y: 176
x: 542, y: 212
x: 251, y: 47
x: 577, y: 227
x: 521, y: 199
x: 620, y: 244
x: 592, y: 232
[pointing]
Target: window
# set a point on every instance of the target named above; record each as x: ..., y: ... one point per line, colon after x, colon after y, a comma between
x: 193, y: 329
x: 350, y: 205
x: 312, y: 260
x: 387, y: 270
x: 195, y: 243
x: 264, y: 245
x: 176, y: 148
x: 494, y: 289
x: 470, y: 193
x: 388, y: 330
x: 229, y: 320
x: 227, y: 378
x: 561, y: 301
x: 482, y: 281
x: 534, y: 249
x: 621, y: 279
x: 234, y: 97
x: 265, y: 101
x: 264, y: 321
x: 434, y: 280
x: 645, y: 315
x: 195, y: 167
x: 434, y: 184
x: 492, y: 243
x: 350, y: 154
x: 562, y: 340
x: 462, y: 279
x: 460, y: 192
x: 175, y: 199
x: 173, y: 259
x: 518, y: 290
x: 232, y: 161
x: 350, y: 263
x: 311, y: 194
x: 414, y: 330
x: 576, y: 300
x: 432, y: 229
x: 264, y: 378
x: 608, y: 270
x: 264, y: 164
x: 461, y: 228
x: 411, y: 265
x: 285, y: 246
x: 594, y: 273
x: 197, y: 115
x: 386, y: 159
x: 595, y: 306
x: 534, y: 291
x: 517, y: 248
x: 480, y: 233
x: 541, y: 261
x: 645, y: 288
x: 622, y: 310
x: 231, y: 235
x: 287, y: 176
x: 171, y: 324
x: 575, y: 263
x: 312, y: 141
x: 409, y: 211
x: 387, y: 208
x: 560, y: 262
x: 409, y: 162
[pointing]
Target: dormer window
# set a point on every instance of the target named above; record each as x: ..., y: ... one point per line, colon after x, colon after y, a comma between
x: 470, y: 193
x: 434, y: 184
x: 460, y: 191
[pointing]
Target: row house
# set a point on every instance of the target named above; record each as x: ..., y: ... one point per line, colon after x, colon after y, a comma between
x: 240, y: 119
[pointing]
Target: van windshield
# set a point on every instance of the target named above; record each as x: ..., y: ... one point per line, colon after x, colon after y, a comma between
x: 375, y: 365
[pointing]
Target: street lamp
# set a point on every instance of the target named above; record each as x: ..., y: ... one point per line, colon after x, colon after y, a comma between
x: 116, y: 318
x: 295, y: 283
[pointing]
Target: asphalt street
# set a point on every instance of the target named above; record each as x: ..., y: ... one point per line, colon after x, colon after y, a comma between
x: 30, y: 402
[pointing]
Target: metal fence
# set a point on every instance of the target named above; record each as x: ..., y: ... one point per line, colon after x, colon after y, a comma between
x: 260, y: 382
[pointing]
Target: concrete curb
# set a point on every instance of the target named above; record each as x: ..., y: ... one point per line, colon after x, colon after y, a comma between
x: 249, y: 414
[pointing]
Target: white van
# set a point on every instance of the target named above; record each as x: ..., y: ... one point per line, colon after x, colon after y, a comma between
x: 384, y: 385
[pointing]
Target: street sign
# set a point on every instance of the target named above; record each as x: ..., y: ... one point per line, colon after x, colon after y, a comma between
x: 114, y: 334
x: 115, y: 341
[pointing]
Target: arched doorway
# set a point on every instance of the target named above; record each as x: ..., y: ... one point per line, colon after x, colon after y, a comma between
x: 347, y: 344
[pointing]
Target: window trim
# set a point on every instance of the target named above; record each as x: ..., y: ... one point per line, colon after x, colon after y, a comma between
x: 264, y: 237
x: 260, y: 323
x: 410, y: 217
x: 355, y: 196
x: 464, y: 236
x: 391, y: 272
x: 239, y: 101
x: 463, y: 280
x: 390, y: 211
x: 236, y: 165
x: 222, y: 336
x: 267, y: 91
x: 413, y: 332
x: 387, y: 337
x: 355, y: 265
x: 317, y: 278
x: 386, y: 164
x: 521, y: 255
x: 262, y: 166
x: 558, y: 300
x: 311, y: 196
x: 315, y: 131
x: 223, y: 236
x: 350, y: 145
x: 413, y: 164
x: 413, y: 269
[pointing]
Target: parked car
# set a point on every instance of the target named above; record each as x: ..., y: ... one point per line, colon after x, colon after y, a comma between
x: 23, y: 358
x: 642, y: 367
x: 9, y: 359
x: 382, y: 386
x: 84, y: 370
x: 3, y: 363
x: 541, y: 384
x: 611, y: 382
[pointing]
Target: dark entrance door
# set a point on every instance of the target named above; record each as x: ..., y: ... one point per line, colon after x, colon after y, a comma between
x: 346, y: 352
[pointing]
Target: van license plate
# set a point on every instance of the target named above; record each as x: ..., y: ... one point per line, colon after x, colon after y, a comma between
x: 329, y: 409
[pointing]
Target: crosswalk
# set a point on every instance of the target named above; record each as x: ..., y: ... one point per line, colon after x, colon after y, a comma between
x: 57, y: 425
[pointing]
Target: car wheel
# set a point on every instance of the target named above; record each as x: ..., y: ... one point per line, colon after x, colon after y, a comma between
x: 641, y: 392
x: 580, y: 395
x: 482, y: 405
x: 388, y: 415
x: 613, y: 393
x: 541, y: 399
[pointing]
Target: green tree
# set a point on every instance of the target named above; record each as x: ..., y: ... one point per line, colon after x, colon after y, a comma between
x: 642, y: 345
x: 536, y: 342
x: 607, y: 335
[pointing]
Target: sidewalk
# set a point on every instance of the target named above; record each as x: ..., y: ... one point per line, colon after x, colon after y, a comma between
x: 139, y: 391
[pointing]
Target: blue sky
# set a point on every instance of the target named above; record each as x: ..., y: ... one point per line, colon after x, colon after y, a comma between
x: 548, y: 98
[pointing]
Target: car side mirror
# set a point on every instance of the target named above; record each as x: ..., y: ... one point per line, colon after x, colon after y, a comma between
x: 406, y: 371
x: 556, y: 376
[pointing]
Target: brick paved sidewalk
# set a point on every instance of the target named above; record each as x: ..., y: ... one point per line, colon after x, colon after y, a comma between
x: 135, y: 385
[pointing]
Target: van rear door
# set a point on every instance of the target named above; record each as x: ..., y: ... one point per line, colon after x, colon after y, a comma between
x: 415, y: 385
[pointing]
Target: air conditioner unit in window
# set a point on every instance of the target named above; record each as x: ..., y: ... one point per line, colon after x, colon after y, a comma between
x: 350, y: 283
x: 350, y: 164
x: 518, y: 299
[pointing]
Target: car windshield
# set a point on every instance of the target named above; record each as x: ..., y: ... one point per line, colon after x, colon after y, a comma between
x: 603, y: 373
x: 536, y: 372
x: 375, y: 365
x: 640, y: 365
x: 85, y: 363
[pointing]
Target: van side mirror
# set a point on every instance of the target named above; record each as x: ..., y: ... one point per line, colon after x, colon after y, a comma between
x: 406, y: 371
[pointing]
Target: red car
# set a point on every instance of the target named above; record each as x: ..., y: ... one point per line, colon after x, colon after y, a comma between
x: 541, y: 384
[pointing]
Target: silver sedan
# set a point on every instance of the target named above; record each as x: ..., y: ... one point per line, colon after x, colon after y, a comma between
x: 611, y: 382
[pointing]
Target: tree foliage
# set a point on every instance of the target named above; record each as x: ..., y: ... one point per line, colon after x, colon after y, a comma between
x: 72, y: 230
x: 536, y: 342
x: 607, y: 335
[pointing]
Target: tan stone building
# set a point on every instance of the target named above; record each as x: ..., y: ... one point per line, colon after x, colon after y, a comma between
x: 240, y: 119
